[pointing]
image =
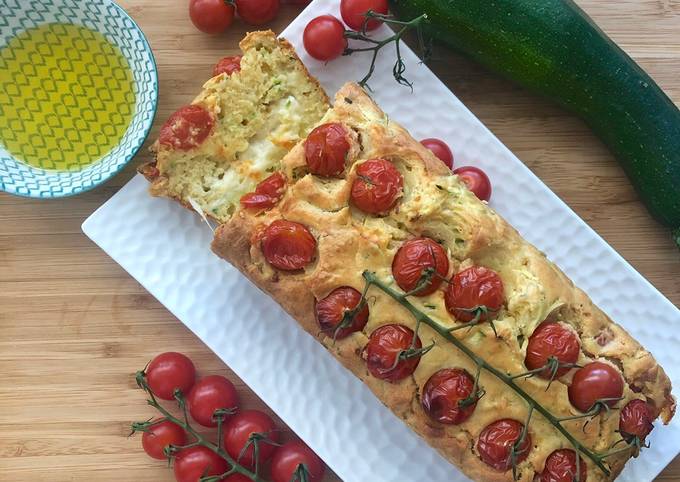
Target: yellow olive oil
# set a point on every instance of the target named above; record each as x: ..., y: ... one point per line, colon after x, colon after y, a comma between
x: 66, y: 96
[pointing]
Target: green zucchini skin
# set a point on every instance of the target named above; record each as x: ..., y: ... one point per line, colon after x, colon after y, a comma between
x: 552, y: 47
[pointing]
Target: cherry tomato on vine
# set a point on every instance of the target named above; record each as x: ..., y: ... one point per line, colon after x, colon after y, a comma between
x: 257, y: 12
x: 289, y: 457
x: 476, y: 181
x: 635, y: 420
x: 551, y: 340
x: 227, y: 65
x: 377, y: 186
x: 560, y: 466
x: 160, y: 435
x: 209, y: 394
x: 474, y: 292
x: 324, y: 38
x: 331, y: 310
x: 187, y: 128
x: 287, y: 245
x: 595, y: 381
x: 384, y: 347
x: 211, y: 16
x: 497, y: 440
x: 353, y: 12
x: 267, y: 193
x: 238, y: 430
x: 237, y: 478
x: 413, y: 259
x: 440, y: 149
x: 326, y: 149
x: 170, y: 371
x: 195, y: 462
x: 443, y: 394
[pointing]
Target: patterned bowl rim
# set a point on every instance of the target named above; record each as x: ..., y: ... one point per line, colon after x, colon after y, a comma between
x: 11, y: 188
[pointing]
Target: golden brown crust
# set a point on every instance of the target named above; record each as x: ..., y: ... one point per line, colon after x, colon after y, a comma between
x: 436, y: 204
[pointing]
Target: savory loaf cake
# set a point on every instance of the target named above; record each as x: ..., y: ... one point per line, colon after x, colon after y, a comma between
x: 239, y: 127
x: 462, y: 328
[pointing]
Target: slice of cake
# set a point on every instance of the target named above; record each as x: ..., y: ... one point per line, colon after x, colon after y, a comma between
x: 234, y: 134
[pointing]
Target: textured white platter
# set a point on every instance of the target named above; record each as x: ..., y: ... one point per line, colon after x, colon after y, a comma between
x: 166, y: 248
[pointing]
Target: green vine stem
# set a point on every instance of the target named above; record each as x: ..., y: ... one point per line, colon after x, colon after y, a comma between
x: 597, y: 458
x: 235, y: 467
x: 376, y: 45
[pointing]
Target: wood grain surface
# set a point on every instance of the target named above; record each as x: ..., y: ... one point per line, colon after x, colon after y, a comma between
x: 74, y: 326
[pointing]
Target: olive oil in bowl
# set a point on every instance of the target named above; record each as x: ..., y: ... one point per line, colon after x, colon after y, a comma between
x: 66, y: 96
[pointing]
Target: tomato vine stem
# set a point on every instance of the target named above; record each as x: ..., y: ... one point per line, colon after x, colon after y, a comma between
x: 597, y: 458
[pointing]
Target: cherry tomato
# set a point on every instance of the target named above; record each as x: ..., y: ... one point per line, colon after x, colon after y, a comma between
x: 377, y: 186
x: 496, y: 441
x: 257, y: 12
x: 187, y: 128
x: 384, y: 346
x: 551, y: 340
x: 211, y: 16
x: 228, y: 65
x: 412, y: 260
x: 326, y: 149
x: 439, y: 149
x: 331, y: 309
x: 476, y: 181
x: 193, y: 463
x: 353, y: 12
x: 238, y: 430
x: 267, y: 193
x: 237, y: 478
x: 635, y: 420
x: 170, y: 371
x: 443, y: 393
x: 560, y: 466
x: 290, y: 456
x: 593, y: 382
x: 209, y: 394
x: 474, y: 288
x: 160, y: 435
x: 324, y: 38
x: 288, y: 246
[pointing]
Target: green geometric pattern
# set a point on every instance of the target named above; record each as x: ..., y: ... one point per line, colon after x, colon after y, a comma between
x: 110, y: 127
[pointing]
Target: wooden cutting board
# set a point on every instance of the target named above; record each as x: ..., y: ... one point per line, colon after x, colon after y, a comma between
x: 74, y: 326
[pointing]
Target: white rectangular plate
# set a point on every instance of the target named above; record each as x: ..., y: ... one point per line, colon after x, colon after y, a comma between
x: 166, y: 248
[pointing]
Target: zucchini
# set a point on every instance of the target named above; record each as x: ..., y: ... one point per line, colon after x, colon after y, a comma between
x: 552, y: 47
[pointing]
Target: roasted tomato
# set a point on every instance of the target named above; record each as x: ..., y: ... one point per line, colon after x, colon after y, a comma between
x: 288, y: 246
x: 267, y: 193
x: 377, y: 187
x: 560, y: 466
x: 326, y: 149
x: 474, y: 292
x: 447, y: 396
x: 331, y: 310
x: 595, y: 381
x: 187, y: 128
x: 383, y: 352
x: 475, y: 180
x: 228, y: 65
x: 418, y: 260
x: 635, y: 421
x: 551, y: 340
x: 496, y: 442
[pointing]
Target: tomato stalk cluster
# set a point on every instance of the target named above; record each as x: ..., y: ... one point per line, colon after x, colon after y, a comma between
x: 376, y: 45
x: 510, y: 380
x: 199, y: 440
